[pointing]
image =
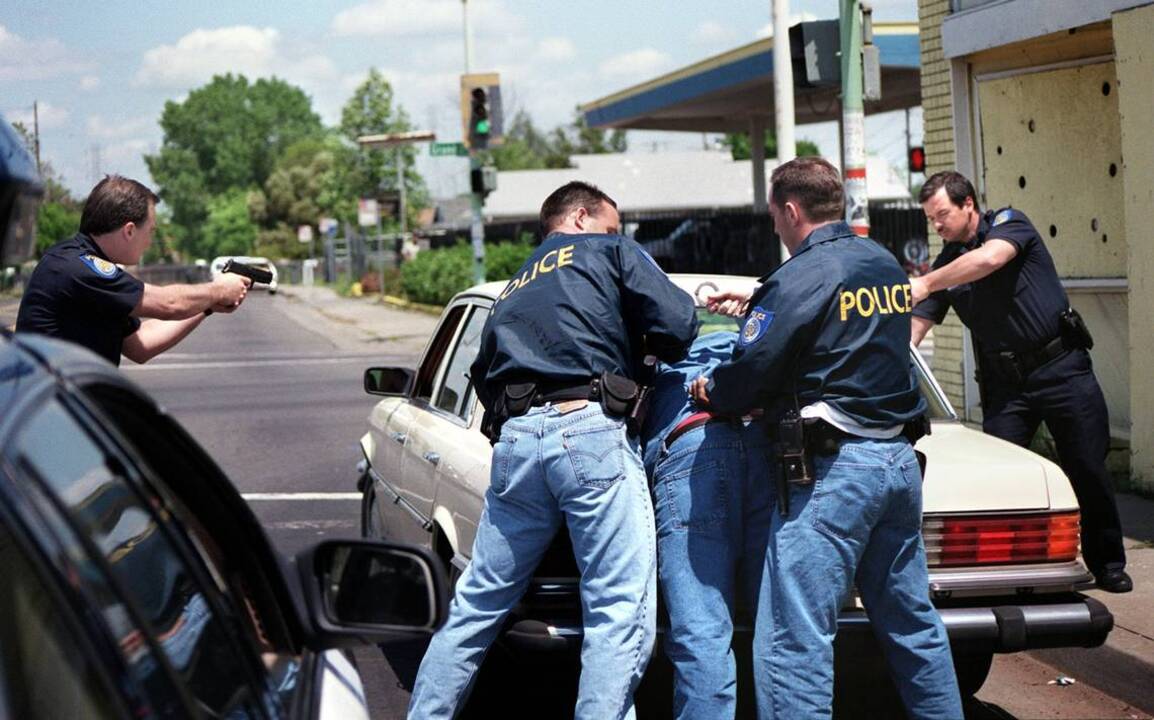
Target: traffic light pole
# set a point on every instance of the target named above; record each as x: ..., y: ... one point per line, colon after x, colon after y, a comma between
x: 476, y: 199
x: 853, y: 118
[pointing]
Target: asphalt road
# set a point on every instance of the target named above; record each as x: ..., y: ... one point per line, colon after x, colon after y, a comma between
x: 281, y: 409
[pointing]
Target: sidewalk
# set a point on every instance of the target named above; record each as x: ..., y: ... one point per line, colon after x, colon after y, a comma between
x: 359, y: 323
x: 1124, y: 666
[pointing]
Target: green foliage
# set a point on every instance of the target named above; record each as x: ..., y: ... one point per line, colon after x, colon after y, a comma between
x: 229, y: 230
x: 433, y: 277
x: 739, y: 146
x: 55, y: 221
x: 224, y: 136
x: 371, y: 111
x: 526, y: 148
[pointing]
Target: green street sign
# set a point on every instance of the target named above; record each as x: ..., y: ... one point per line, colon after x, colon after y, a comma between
x: 448, y: 149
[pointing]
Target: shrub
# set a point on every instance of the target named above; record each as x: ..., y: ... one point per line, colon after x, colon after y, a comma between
x: 435, y: 276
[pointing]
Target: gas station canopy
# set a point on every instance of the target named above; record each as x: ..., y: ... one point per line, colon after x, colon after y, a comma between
x: 727, y: 92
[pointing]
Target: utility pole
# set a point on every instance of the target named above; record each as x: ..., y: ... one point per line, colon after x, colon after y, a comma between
x: 782, y: 94
x: 476, y: 199
x: 853, y: 118
x: 36, y: 134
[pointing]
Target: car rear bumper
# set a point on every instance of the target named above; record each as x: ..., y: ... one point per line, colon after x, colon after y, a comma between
x: 1068, y: 620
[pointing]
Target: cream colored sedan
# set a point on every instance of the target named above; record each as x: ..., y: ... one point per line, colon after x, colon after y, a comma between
x: 1000, y: 522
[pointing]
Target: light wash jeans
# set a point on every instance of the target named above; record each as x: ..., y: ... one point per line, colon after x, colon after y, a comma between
x: 860, y: 521
x: 712, y: 497
x: 549, y: 469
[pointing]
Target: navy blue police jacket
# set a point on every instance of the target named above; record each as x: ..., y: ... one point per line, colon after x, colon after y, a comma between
x: 76, y: 293
x: 582, y: 305
x: 1015, y: 308
x: 830, y: 324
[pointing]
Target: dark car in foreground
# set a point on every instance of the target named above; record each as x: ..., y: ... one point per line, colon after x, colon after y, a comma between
x: 138, y: 583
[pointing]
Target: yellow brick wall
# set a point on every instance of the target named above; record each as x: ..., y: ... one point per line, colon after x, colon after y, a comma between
x: 938, y: 122
x: 1134, y: 62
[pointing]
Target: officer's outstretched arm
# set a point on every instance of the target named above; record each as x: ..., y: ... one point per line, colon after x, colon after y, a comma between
x: 155, y: 336
x: 974, y: 265
x: 178, y: 302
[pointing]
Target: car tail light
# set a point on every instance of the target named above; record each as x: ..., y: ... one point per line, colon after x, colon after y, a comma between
x: 1000, y: 539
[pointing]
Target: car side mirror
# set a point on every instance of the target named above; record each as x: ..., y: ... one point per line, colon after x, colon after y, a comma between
x: 389, y: 381
x: 367, y: 592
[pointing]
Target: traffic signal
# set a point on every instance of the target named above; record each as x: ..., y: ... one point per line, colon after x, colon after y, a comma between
x: 481, y: 110
x: 917, y: 158
x: 479, y: 124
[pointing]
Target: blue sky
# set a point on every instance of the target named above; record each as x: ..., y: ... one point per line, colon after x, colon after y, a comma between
x: 101, y: 72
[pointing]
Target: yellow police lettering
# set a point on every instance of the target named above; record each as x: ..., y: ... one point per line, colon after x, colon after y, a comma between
x: 884, y: 299
x: 877, y: 300
x: 847, y: 303
x: 565, y: 256
x: 541, y: 263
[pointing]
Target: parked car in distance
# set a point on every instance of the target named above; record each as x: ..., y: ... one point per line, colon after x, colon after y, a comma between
x: 139, y: 584
x: 1000, y: 523
x: 217, y: 267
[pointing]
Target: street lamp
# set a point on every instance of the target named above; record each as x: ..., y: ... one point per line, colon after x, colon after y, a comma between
x: 399, y: 141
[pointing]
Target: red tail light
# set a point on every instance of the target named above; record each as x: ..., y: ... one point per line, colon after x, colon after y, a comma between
x: 1000, y: 540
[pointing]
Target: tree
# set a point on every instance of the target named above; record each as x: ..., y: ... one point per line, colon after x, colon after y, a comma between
x: 371, y: 111
x: 739, y: 145
x: 229, y: 230
x: 226, y: 135
x: 525, y: 148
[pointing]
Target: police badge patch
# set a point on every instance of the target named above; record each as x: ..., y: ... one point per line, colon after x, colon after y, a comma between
x: 100, y: 266
x: 756, y: 324
x: 1002, y: 217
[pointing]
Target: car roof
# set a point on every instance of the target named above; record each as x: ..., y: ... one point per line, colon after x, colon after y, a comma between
x: 692, y: 283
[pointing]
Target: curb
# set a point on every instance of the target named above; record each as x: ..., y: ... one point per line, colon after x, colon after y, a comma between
x: 402, y: 304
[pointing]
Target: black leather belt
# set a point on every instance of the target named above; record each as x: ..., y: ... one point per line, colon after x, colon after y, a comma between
x: 1030, y: 361
x: 587, y: 390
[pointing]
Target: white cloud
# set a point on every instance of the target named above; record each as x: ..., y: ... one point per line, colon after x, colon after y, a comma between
x: 712, y: 32
x: 89, y: 82
x: 101, y: 129
x: 556, y: 49
x: 50, y: 115
x: 22, y: 59
x: 251, y: 51
x: 397, y: 18
x: 635, y: 65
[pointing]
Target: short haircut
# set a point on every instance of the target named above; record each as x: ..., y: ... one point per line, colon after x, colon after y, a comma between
x: 958, y: 188
x: 114, y: 202
x: 568, y: 198
x: 814, y: 184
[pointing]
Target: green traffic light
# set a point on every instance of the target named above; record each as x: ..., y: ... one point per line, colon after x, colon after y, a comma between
x: 482, y: 127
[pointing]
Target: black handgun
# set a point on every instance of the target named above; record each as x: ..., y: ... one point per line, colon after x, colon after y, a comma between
x: 252, y: 273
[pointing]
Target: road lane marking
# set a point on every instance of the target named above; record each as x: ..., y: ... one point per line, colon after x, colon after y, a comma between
x: 257, y: 497
x: 313, y: 525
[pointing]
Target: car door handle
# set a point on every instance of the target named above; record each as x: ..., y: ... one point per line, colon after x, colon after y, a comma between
x: 433, y: 457
x: 398, y: 436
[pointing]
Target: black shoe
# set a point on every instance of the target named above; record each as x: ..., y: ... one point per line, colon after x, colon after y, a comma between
x: 1114, y: 580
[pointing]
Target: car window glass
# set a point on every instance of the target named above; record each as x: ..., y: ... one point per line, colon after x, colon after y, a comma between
x: 165, y: 610
x: 427, y: 374
x: 45, y: 674
x: 454, y: 392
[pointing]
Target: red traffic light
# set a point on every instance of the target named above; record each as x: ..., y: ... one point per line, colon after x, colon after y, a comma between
x: 917, y: 158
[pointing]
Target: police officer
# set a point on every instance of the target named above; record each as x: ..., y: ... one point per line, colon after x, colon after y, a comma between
x: 555, y: 372
x: 79, y: 293
x: 996, y: 272
x: 712, y: 502
x: 825, y: 350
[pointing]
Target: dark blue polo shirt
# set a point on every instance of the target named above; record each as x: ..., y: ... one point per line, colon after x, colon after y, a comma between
x: 582, y: 305
x: 1016, y: 307
x: 76, y: 294
x: 831, y: 324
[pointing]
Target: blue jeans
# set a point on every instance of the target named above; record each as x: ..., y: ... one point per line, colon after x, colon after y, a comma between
x: 712, y: 498
x: 580, y: 469
x: 860, y: 521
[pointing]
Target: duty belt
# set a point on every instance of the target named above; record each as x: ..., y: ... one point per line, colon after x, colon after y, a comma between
x: 1017, y: 366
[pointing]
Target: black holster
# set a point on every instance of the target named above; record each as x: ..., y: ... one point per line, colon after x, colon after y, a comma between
x: 795, y: 461
x: 622, y: 397
x: 513, y: 401
x: 1074, y: 332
